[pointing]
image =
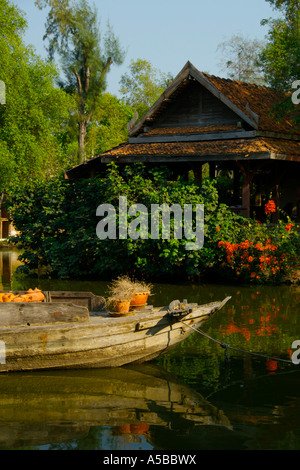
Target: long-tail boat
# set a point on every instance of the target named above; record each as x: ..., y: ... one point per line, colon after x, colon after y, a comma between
x: 76, y: 330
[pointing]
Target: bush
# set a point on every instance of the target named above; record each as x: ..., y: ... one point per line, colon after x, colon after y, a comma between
x: 57, y: 223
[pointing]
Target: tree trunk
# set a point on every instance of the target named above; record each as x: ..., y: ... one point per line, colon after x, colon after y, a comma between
x: 81, y: 142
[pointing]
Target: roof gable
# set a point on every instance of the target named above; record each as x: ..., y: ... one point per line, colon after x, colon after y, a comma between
x: 249, y: 103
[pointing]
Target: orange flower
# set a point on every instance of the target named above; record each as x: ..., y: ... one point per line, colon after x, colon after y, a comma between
x: 288, y: 227
x: 252, y: 275
x: 270, y: 207
x: 250, y: 259
x: 218, y: 228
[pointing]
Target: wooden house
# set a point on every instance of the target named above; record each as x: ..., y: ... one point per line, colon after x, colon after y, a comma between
x: 229, y: 125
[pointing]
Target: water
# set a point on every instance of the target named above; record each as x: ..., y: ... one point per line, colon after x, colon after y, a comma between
x: 192, y: 398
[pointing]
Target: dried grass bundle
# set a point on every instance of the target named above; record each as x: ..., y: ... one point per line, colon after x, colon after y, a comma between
x: 123, y: 288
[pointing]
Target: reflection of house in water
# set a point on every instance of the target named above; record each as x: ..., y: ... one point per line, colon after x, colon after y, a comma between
x: 6, y: 227
x: 8, y: 263
x: 4, y: 224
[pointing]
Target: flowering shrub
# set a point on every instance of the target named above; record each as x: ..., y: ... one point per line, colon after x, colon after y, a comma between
x: 269, y: 254
x: 270, y: 207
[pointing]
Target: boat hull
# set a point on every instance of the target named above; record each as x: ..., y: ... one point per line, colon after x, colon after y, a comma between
x: 99, y: 341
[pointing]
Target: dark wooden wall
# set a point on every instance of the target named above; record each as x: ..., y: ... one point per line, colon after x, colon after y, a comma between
x: 196, y: 107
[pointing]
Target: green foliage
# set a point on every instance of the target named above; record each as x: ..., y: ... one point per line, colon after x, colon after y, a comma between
x: 281, y: 56
x: 109, y: 125
x: 142, y: 86
x: 280, y: 59
x: 57, y: 224
x: 32, y: 120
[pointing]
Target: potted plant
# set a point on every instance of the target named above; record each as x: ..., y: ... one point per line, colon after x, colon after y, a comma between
x: 124, y: 293
x: 121, y: 291
x: 141, y: 294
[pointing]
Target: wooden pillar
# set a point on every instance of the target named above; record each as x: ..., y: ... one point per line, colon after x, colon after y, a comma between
x: 236, y: 186
x: 246, y: 195
x: 298, y: 204
x: 212, y: 170
x: 197, y: 169
x: 247, y: 179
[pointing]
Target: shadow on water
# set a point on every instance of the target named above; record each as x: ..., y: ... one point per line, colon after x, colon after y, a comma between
x: 191, y: 398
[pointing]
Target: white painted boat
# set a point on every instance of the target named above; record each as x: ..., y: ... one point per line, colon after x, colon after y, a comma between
x: 75, y: 330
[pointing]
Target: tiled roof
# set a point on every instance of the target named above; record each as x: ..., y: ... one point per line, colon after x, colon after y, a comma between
x: 260, y: 99
x: 215, y: 147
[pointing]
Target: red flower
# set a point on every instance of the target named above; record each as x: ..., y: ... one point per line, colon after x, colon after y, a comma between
x: 250, y: 259
x: 270, y: 207
x: 288, y: 227
x: 218, y: 228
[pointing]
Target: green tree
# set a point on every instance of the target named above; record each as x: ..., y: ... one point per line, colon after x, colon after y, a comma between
x: 143, y: 85
x: 109, y: 126
x: 281, y: 56
x: 73, y: 32
x: 32, y: 120
x: 239, y: 59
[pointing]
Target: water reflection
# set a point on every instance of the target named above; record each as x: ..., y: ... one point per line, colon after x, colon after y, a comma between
x: 49, y: 408
x: 8, y: 264
x: 192, y: 398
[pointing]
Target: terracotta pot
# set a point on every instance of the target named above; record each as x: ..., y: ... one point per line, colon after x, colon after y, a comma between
x: 139, y: 299
x: 125, y: 429
x: 140, y: 428
x: 121, y: 306
x: 271, y: 365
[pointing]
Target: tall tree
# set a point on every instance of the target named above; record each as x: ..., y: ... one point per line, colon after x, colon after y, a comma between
x: 239, y: 59
x: 35, y: 109
x: 281, y: 56
x: 73, y: 32
x: 143, y: 85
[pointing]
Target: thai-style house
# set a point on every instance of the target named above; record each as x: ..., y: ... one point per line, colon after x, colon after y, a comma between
x: 225, y: 125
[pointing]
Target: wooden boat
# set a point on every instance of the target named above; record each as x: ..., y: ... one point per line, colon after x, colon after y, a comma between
x: 75, y: 330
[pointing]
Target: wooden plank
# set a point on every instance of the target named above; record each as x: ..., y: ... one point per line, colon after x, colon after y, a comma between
x: 39, y: 313
x: 214, y: 90
x: 205, y: 136
x: 277, y: 135
x: 86, y: 299
x: 161, y: 158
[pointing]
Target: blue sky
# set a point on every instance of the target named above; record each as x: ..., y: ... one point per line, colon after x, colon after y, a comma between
x: 167, y: 33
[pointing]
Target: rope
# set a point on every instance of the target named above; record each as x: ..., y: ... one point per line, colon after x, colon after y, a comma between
x: 227, y: 346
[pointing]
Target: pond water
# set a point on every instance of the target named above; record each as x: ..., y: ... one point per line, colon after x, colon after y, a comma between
x: 195, y: 397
